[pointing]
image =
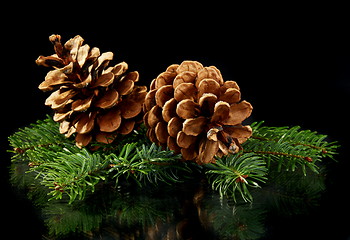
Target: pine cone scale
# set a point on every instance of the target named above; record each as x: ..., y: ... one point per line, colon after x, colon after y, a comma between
x: 185, y: 91
x: 187, y: 109
x: 161, y: 132
x: 86, y: 122
x: 53, y: 78
x: 194, y: 126
x: 169, y: 110
x: 110, y: 121
x: 108, y: 99
x: 126, y: 126
x: 174, y: 126
x: 130, y: 109
x: 82, y: 104
x: 221, y: 112
x: 164, y: 94
x: 185, y: 141
x: 104, y: 80
x: 238, y: 112
x: 83, y: 139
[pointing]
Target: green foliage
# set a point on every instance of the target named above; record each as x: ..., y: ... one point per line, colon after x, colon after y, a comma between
x: 235, y: 173
x: 67, y: 170
x: 279, y: 167
x: 289, y: 147
x: 39, y: 142
x: 146, y: 164
x: 72, y: 173
x: 272, y: 148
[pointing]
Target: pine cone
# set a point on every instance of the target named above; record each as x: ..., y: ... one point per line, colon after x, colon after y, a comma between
x: 193, y: 111
x: 90, y: 98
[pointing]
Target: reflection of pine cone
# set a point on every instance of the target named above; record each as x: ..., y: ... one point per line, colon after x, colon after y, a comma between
x: 192, y: 110
x: 90, y: 98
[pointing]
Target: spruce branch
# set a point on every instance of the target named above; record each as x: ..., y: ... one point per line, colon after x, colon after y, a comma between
x: 236, y: 174
x: 147, y: 164
x: 73, y: 173
x: 38, y: 142
x: 68, y: 170
x: 289, y: 147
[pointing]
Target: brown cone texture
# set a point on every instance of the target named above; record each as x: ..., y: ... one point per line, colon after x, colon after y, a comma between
x: 193, y: 111
x: 91, y: 98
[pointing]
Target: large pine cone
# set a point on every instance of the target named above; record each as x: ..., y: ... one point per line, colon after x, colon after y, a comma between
x: 90, y: 98
x: 193, y: 111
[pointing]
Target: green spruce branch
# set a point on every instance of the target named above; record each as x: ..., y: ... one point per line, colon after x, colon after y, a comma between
x: 43, y: 134
x: 67, y: 170
x: 147, y: 164
x: 236, y: 174
x: 72, y: 173
x: 290, y: 147
x: 269, y: 149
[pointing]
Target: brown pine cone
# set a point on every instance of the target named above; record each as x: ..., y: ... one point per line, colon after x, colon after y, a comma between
x: 90, y: 98
x: 193, y: 111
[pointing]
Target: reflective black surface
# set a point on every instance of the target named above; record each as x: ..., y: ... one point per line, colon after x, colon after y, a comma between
x: 189, y: 210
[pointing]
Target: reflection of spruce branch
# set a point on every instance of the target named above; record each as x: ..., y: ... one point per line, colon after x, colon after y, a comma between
x: 291, y: 192
x: 63, y: 219
x: 233, y: 221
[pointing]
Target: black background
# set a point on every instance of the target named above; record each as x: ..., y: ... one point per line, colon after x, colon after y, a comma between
x: 292, y: 65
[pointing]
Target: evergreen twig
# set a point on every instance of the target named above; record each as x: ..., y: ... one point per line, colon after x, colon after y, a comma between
x: 72, y: 173
x: 39, y: 143
x: 147, y: 163
x: 289, y: 147
x: 235, y: 173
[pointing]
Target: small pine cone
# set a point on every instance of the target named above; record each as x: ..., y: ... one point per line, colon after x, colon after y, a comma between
x: 90, y: 98
x: 193, y: 111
